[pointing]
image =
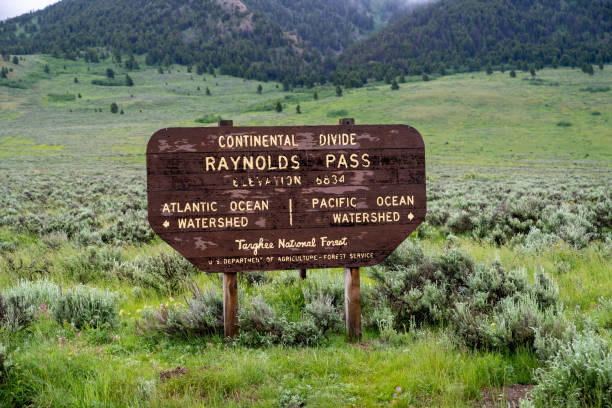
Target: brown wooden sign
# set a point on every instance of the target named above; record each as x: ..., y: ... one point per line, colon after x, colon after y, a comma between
x: 233, y: 199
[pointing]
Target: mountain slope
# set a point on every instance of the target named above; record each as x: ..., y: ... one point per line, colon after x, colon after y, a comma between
x: 469, y: 34
x: 169, y: 31
x: 262, y: 39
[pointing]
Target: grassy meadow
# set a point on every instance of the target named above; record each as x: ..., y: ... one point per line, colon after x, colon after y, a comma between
x: 519, y: 173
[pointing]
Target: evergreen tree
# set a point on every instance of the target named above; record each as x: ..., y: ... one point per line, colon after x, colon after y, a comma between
x: 279, y: 107
x: 46, y: 69
x: 80, y: 96
x: 394, y: 85
x: 315, y: 96
x: 160, y: 69
x: 76, y: 80
x: 489, y: 69
x: 338, y: 91
x: 121, y: 112
x: 207, y: 91
x: 114, y: 108
x: 425, y: 77
x: 15, y: 60
x: 286, y: 86
x: 3, y: 72
x: 512, y: 74
x: 601, y: 66
x: 532, y: 71
x: 259, y: 89
x: 587, y: 68
x: 298, y: 110
x: 110, y: 74
x: 402, y: 78
x: 128, y: 80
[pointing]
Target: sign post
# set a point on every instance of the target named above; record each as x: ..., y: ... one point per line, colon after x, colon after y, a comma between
x: 237, y: 199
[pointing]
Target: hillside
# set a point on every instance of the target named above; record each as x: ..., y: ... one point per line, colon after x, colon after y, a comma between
x: 518, y: 197
x: 464, y: 35
x: 259, y: 39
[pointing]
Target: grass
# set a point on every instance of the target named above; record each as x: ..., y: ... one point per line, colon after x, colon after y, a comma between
x: 60, y: 154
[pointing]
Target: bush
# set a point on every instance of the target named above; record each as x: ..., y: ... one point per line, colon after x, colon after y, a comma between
x: 203, y: 315
x: 15, y: 314
x: 260, y: 326
x: 87, y: 306
x: 35, y: 294
x: 92, y: 262
x: 579, y: 374
x: 165, y: 273
x: 420, y: 289
x: 324, y: 314
x: 486, y: 306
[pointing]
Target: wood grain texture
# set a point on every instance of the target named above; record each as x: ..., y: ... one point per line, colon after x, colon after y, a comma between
x: 230, y: 304
x: 352, y: 303
x: 234, y: 199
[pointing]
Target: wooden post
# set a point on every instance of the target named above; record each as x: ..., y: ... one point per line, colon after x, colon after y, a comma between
x: 230, y: 304
x: 352, y: 303
x: 302, y: 274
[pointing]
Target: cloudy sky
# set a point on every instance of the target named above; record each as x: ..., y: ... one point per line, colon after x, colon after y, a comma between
x: 12, y: 8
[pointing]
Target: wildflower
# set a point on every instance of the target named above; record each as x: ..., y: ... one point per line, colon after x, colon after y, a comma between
x: 121, y: 312
x: 43, y: 308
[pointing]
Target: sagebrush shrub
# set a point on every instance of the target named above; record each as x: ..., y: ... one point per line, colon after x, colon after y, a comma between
x: 486, y: 306
x: 579, y: 374
x: 203, y: 315
x: 165, y: 273
x: 86, y: 306
x: 34, y: 294
x: 261, y: 326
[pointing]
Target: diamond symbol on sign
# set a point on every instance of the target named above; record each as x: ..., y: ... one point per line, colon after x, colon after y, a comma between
x: 410, y: 216
x: 166, y: 224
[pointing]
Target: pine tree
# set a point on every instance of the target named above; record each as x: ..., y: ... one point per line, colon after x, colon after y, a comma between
x: 425, y: 77
x: 316, y: 96
x: 110, y: 74
x: 15, y: 60
x: 76, y: 80
x: 402, y: 79
x: 338, y: 91
x: 286, y: 86
x: 279, y: 107
x: 298, y: 110
x: 128, y: 80
x: 3, y: 72
x: 46, y: 69
x: 512, y: 74
x: 114, y: 108
x: 207, y: 91
x: 394, y: 85
x: 160, y: 69
x: 259, y: 89
x: 489, y: 69
x: 532, y: 71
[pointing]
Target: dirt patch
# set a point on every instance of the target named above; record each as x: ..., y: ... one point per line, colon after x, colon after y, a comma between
x: 505, y: 397
x: 231, y: 5
x: 166, y: 375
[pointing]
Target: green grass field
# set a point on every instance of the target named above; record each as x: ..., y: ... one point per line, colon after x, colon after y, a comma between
x: 65, y: 157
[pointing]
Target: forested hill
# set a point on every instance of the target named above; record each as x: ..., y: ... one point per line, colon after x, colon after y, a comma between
x: 306, y: 41
x: 470, y: 34
x: 262, y: 39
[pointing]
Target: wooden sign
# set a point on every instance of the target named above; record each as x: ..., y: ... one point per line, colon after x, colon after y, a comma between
x: 233, y: 199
